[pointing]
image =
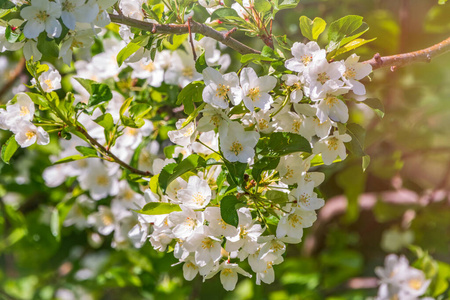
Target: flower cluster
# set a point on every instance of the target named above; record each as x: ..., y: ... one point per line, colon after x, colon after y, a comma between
x: 311, y: 106
x: 398, y: 280
x: 18, y: 117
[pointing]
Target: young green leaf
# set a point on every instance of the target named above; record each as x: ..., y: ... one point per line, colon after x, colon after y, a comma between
x: 358, y: 134
x: 9, y: 148
x: 376, y: 105
x: 282, y: 143
x: 228, y: 210
x: 100, y: 93
x: 158, y: 208
x: 172, y: 171
x: 311, y: 29
x: 131, y: 48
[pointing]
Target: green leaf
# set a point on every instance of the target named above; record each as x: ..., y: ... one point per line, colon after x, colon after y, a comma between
x: 106, y: 121
x: 131, y: 48
x: 200, y: 14
x: 72, y: 158
x: 282, y: 143
x: 365, y: 162
x: 54, y: 223
x: 311, y: 29
x: 223, y: 13
x: 200, y: 63
x: 47, y: 46
x: 173, y: 42
x: 277, y: 196
x: 193, y: 115
x: 228, y: 210
x: 262, y: 6
x: 358, y: 134
x: 10, y: 35
x: 343, y: 27
x: 237, y: 171
x: 376, y: 105
x: 189, y: 94
x: 5, y: 4
x: 285, y: 4
x: 246, y: 58
x: 9, y: 148
x: 352, y: 45
x: 264, y: 164
x: 360, y: 31
x: 158, y: 208
x: 39, y: 100
x: 86, y: 83
x: 100, y: 93
x: 86, y: 151
x: 172, y: 171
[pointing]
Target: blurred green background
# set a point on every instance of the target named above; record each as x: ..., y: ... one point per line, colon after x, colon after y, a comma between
x: 403, y: 198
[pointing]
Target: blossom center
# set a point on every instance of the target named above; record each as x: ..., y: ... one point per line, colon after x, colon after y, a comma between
x: 350, y: 73
x: 207, y: 243
x: 306, y: 59
x: 24, y: 111
x: 236, y: 148
x: 107, y: 219
x: 49, y: 84
x: 289, y: 173
x: 30, y: 134
x: 415, y: 284
x: 227, y: 272
x: 254, y: 94
x: 150, y: 67
x: 187, y: 72
x: 333, y: 143
x: 42, y: 16
x: 222, y: 90
x: 323, y: 77
x: 331, y: 101
x: 296, y: 125
x: 216, y: 120
x: 102, y: 180
x: 294, y: 220
x: 263, y: 124
x: 199, y: 199
x: 68, y: 6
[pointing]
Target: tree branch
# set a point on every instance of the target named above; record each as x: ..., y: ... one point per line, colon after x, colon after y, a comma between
x: 195, y: 27
x: 110, y: 154
x: 400, y: 60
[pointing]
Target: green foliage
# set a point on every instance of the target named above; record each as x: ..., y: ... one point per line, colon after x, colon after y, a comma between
x: 311, y: 29
x: 158, y: 208
x: 9, y: 148
x: 173, y: 171
x: 282, y: 143
x: 228, y: 210
x: 132, y: 47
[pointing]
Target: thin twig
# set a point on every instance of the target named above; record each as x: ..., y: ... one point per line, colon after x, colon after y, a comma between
x: 189, y: 21
x: 110, y: 154
x: 400, y: 60
x: 182, y: 29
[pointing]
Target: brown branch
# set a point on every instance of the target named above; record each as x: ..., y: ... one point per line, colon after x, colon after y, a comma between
x: 191, y: 41
x: 400, y: 60
x: 184, y: 28
x: 111, y: 155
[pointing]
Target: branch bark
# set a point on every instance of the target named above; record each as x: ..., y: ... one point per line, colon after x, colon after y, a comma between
x: 400, y: 60
x: 111, y: 155
x: 195, y: 27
